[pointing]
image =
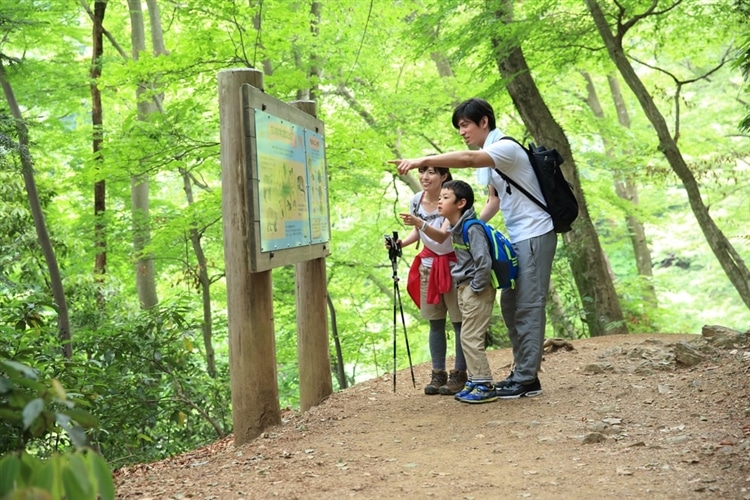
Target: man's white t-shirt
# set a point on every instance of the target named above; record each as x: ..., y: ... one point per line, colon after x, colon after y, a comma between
x: 524, y: 219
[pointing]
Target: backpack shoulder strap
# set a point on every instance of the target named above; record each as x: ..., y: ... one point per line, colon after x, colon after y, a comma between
x: 509, y: 138
x: 518, y: 186
x: 465, y: 229
x: 475, y: 222
x: 416, y: 201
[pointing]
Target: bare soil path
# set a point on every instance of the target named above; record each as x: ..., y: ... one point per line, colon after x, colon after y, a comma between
x: 619, y: 418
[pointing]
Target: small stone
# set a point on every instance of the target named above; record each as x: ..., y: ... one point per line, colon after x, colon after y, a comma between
x: 687, y: 355
x: 596, y: 368
x: 594, y: 437
x: 677, y: 439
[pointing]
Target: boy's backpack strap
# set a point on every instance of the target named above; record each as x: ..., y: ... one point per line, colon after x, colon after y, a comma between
x: 529, y: 154
x: 465, y: 233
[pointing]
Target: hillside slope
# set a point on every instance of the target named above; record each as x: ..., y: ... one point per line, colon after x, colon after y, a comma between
x: 619, y: 417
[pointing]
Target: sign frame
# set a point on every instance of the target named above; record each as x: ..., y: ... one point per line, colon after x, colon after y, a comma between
x: 308, y: 237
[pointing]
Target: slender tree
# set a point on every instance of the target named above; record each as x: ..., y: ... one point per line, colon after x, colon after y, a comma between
x: 603, y: 313
x: 97, y: 120
x: 625, y: 187
x: 203, y: 280
x: 139, y: 184
x: 58, y: 291
x: 729, y: 258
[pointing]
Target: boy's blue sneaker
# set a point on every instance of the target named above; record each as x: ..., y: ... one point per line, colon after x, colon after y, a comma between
x: 482, y: 393
x: 468, y: 387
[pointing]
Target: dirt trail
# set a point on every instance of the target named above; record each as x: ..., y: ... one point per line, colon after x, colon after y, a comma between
x: 618, y: 419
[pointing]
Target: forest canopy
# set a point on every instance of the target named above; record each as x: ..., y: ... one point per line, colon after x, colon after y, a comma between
x: 112, y: 267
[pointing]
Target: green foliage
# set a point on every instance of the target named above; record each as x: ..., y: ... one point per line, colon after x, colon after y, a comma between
x: 143, y: 377
x: 40, y: 416
x: 381, y: 95
x: 73, y: 474
x: 146, y: 376
x: 33, y: 409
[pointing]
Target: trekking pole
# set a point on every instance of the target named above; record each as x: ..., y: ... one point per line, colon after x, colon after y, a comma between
x: 394, y: 252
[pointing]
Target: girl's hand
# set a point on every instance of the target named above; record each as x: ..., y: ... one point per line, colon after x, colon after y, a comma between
x: 411, y: 220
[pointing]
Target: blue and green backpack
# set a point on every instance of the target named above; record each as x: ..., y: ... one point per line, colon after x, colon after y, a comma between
x: 504, y: 260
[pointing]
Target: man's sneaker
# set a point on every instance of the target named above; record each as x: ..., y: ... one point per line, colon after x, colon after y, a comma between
x: 456, y: 381
x: 508, y: 380
x: 515, y: 390
x: 439, y: 378
x: 482, y: 393
x: 468, y: 387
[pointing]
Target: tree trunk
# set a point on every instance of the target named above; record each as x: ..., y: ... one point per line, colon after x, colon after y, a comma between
x: 626, y: 190
x: 204, y: 282
x: 338, y: 365
x: 139, y: 183
x: 561, y: 324
x: 267, y: 66
x: 601, y: 306
x: 314, y: 71
x: 727, y: 255
x: 58, y: 291
x: 100, y: 233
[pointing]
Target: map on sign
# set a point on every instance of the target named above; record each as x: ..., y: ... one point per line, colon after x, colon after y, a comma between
x: 292, y: 184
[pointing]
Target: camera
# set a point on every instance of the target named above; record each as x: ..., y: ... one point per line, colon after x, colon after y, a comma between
x: 394, y: 247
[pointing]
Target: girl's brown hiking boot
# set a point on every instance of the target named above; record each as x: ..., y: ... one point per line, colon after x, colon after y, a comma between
x: 439, y: 378
x: 456, y: 382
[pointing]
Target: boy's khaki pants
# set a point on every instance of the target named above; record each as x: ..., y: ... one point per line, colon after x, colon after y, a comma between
x: 476, y: 310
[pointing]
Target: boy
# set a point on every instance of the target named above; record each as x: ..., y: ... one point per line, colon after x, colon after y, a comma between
x: 476, y: 295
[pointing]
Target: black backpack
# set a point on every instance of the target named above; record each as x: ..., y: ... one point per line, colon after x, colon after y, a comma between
x: 559, y: 200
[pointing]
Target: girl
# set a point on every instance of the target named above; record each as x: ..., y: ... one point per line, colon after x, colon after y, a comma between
x: 430, y: 284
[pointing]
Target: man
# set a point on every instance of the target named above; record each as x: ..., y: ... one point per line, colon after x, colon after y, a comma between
x: 529, y: 227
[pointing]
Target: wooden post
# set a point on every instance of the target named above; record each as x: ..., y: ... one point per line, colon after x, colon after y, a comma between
x: 252, y: 346
x: 315, y: 383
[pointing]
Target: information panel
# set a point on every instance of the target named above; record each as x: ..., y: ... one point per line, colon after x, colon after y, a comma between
x: 318, y: 187
x: 292, y: 187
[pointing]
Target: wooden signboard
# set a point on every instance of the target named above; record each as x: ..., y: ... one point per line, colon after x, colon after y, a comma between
x: 287, y: 182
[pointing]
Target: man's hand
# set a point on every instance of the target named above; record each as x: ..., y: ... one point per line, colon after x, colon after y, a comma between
x: 404, y: 166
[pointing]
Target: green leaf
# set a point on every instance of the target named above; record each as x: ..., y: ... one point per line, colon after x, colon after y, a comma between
x: 31, y: 412
x: 78, y: 436
x: 5, y: 385
x: 84, y: 418
x: 71, y: 485
x: 144, y: 437
x: 76, y: 478
x: 44, y: 476
x: 9, y: 415
x: 21, y: 368
x: 103, y: 475
x: 10, y: 469
x: 29, y: 465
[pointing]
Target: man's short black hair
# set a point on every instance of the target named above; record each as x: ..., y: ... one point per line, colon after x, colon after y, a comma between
x: 474, y: 109
x: 463, y: 191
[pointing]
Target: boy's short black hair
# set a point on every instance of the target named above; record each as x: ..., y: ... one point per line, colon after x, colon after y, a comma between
x: 474, y: 109
x: 463, y: 191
